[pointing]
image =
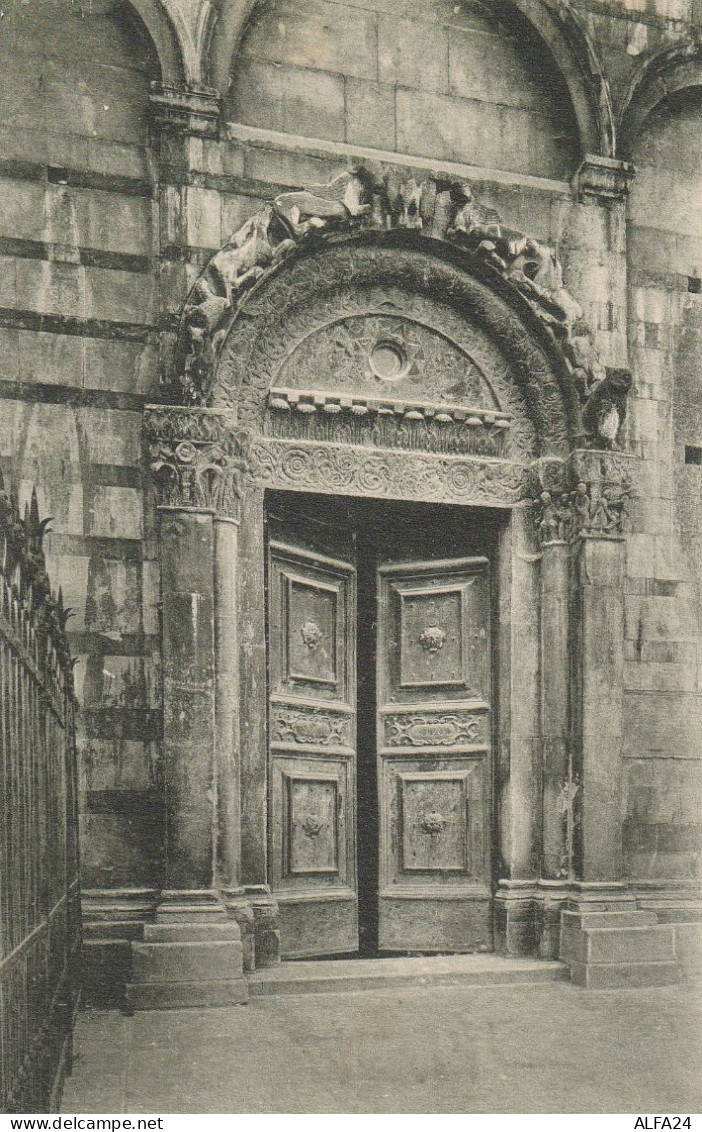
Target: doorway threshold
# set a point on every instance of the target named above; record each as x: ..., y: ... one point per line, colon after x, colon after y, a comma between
x: 330, y: 976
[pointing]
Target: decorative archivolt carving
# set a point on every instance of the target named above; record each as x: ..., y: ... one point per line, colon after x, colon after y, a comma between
x: 371, y: 198
x: 197, y: 458
x: 281, y: 335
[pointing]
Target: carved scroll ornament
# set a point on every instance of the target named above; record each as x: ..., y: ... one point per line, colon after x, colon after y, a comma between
x: 375, y: 198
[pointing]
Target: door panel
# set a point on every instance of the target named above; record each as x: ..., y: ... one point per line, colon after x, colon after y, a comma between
x: 312, y: 729
x: 433, y: 727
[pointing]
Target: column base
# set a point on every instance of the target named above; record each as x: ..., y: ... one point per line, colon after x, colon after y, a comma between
x: 238, y: 908
x: 191, y: 956
x: 516, y: 918
x: 266, y: 933
x: 608, y: 942
x: 553, y: 895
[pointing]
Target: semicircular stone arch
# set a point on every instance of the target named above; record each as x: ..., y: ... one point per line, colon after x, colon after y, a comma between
x: 671, y: 71
x: 396, y: 330
x: 568, y: 53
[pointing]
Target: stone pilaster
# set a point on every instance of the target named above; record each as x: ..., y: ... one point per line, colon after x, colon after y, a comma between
x: 598, y: 514
x: 593, y: 252
x: 184, y: 123
x: 605, y: 939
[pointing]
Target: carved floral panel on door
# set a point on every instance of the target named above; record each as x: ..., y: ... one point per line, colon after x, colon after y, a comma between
x: 434, y: 754
x: 311, y: 710
x: 312, y: 803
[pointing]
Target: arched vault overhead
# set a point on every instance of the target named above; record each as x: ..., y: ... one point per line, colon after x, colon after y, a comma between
x: 668, y: 71
x: 161, y: 28
x: 557, y: 26
x: 576, y: 58
x: 226, y: 38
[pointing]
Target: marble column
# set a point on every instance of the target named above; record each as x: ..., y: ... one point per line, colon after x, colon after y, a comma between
x: 227, y: 726
x: 193, y: 954
x: 186, y: 545
x: 557, y: 784
x: 517, y: 756
x: 604, y: 484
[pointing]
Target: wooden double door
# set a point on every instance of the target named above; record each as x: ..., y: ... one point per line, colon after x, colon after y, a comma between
x: 379, y: 680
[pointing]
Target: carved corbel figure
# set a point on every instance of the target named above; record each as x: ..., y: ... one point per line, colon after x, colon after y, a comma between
x: 605, y: 409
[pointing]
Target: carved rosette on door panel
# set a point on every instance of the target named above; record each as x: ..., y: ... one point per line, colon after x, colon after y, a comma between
x: 434, y: 747
x: 312, y: 749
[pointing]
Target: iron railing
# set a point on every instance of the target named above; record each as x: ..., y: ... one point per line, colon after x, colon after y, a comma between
x: 39, y: 894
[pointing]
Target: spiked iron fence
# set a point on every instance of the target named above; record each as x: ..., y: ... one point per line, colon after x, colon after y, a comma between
x: 39, y: 893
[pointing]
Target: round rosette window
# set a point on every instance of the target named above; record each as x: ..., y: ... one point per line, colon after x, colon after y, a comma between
x: 388, y: 360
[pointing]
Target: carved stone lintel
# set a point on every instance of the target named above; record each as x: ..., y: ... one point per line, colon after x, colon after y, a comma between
x: 387, y: 423
x: 198, y: 458
x: 604, y: 178
x: 354, y: 470
x: 185, y: 110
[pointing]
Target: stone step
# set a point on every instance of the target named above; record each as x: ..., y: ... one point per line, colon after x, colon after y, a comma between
x: 171, y: 996
x: 618, y: 945
x: 348, y: 975
x: 192, y: 933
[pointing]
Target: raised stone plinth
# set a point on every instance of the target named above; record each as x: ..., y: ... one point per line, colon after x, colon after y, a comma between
x: 618, y: 948
x: 187, y: 965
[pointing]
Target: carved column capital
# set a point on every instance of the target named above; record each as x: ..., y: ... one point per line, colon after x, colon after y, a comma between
x: 604, y: 178
x: 603, y: 483
x: 198, y: 458
x: 193, y: 110
x: 586, y: 499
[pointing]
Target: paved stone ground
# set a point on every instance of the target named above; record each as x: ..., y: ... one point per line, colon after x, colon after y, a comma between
x: 526, y: 1048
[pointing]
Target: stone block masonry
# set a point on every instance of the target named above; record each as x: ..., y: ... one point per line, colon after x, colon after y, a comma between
x: 106, y: 221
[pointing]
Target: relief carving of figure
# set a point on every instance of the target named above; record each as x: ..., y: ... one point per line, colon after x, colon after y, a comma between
x: 319, y: 206
x: 553, y: 517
